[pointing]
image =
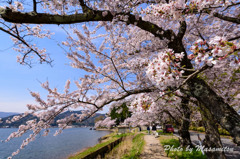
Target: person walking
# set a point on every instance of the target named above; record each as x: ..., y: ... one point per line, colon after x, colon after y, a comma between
x: 148, y: 129
x: 154, y: 129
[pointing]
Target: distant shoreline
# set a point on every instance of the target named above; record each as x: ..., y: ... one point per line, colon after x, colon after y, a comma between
x: 102, y: 129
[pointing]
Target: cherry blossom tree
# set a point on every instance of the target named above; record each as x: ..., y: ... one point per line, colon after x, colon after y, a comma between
x: 148, y: 46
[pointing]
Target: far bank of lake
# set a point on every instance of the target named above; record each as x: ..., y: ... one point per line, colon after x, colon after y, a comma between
x: 50, y: 147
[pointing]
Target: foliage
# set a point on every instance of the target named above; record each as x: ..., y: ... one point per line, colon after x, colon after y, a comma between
x: 223, y: 131
x: 160, y: 132
x: 193, y: 128
x: 120, y: 113
x: 201, y: 129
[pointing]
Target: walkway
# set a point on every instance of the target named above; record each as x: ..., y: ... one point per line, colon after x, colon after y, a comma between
x: 152, y: 149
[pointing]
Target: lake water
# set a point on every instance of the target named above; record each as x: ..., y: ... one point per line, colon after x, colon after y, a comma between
x: 50, y: 147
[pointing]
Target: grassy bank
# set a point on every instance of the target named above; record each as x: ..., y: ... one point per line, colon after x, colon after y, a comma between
x: 137, y: 147
x: 177, y: 152
x: 108, y: 139
x: 130, y: 148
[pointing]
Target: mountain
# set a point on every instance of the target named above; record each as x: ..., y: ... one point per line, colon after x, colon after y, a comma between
x: 6, y: 114
x: 88, y: 122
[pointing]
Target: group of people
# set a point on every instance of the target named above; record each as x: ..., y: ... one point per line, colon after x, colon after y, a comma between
x: 154, y: 130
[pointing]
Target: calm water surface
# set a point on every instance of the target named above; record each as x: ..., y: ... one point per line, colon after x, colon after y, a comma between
x: 50, y: 147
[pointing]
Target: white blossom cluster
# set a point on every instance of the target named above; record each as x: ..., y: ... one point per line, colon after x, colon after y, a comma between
x: 163, y: 70
x: 156, y: 110
x: 107, y: 122
x: 176, y: 10
x: 170, y: 10
x: 142, y: 103
x: 220, y: 52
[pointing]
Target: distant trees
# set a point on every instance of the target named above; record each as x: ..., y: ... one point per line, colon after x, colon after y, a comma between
x: 120, y: 113
x: 99, y: 118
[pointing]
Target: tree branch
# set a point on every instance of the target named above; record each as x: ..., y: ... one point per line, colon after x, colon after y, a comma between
x: 235, y: 38
x: 182, y: 30
x: 227, y: 18
x: 85, y: 8
x: 171, y: 116
x: 35, y: 6
x: 118, y: 74
x: 25, y: 43
x: 95, y: 15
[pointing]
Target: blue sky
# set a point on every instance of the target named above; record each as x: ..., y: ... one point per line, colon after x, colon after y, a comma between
x: 16, y: 80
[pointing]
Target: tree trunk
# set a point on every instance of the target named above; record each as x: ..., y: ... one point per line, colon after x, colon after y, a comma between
x: 212, y: 137
x: 224, y: 114
x: 185, y: 123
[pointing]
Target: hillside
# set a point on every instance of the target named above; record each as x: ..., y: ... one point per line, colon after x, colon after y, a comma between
x: 6, y: 114
x: 88, y: 122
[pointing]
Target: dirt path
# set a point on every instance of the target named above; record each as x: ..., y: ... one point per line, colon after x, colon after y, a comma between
x: 152, y: 149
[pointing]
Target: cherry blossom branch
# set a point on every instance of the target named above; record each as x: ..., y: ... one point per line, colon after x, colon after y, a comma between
x: 218, y: 15
x: 25, y: 43
x: 232, y: 5
x: 186, y: 69
x: 191, y: 76
x: 199, y: 33
x: 118, y: 75
x: 112, y: 79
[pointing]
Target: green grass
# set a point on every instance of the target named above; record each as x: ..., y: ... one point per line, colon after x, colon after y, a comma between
x: 137, y: 147
x: 122, y: 135
x: 181, y: 154
x: 160, y: 132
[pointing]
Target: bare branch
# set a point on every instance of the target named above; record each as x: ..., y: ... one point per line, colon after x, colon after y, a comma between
x: 35, y: 6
